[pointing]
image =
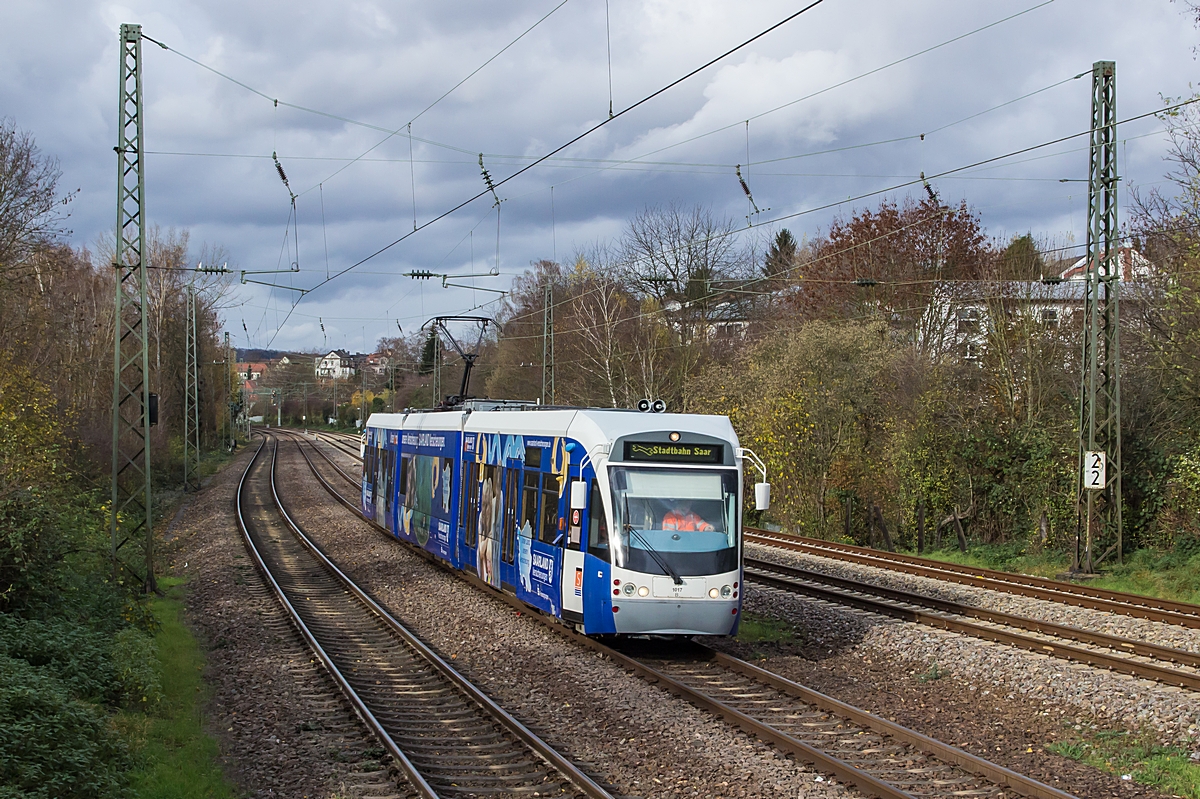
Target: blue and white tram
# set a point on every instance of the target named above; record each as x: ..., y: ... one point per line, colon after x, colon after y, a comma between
x: 615, y: 521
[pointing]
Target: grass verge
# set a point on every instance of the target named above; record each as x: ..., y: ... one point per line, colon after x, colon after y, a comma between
x: 756, y: 629
x: 177, y: 759
x: 1136, y: 757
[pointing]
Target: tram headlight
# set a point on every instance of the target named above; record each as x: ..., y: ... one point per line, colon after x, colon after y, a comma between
x: 629, y: 589
x: 643, y: 591
x: 714, y: 593
x: 726, y: 591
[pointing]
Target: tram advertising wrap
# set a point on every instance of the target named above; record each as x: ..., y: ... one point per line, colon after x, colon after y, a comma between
x: 617, y: 522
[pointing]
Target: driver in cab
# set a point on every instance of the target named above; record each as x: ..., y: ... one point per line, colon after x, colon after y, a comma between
x: 681, y: 517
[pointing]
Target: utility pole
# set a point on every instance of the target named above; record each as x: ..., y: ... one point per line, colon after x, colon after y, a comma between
x: 132, y: 507
x: 228, y: 401
x: 437, y: 370
x: 191, y: 394
x: 547, y: 343
x: 1099, y: 502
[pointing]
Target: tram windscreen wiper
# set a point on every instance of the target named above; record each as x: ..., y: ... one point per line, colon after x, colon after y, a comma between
x: 654, y: 553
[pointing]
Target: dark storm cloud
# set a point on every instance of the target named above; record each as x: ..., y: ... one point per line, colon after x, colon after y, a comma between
x: 382, y: 63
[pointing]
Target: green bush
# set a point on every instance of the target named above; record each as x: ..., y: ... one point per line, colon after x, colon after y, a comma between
x: 71, y: 653
x: 52, y: 745
x: 135, y: 661
x: 115, y: 670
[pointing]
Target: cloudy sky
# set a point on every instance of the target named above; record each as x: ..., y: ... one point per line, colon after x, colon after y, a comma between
x: 827, y: 107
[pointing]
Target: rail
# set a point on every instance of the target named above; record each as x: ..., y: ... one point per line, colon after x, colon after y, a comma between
x: 1162, y: 610
x: 935, y: 766
x: 855, y: 594
x: 446, y: 736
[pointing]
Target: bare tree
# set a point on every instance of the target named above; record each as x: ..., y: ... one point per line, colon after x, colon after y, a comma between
x: 673, y: 255
x: 31, y: 210
x: 599, y: 309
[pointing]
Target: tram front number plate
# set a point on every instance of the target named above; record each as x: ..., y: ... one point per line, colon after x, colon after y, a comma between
x: 665, y: 587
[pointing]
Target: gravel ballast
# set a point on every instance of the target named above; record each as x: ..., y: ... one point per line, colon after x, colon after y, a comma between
x: 1127, y: 702
x: 868, y: 661
x: 627, y: 733
x: 1138, y: 629
x: 282, y: 727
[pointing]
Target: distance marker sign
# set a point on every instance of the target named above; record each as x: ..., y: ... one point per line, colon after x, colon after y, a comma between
x: 1094, y: 470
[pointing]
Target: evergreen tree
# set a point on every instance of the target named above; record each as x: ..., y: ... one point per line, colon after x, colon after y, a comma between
x: 428, y: 354
x: 781, y: 256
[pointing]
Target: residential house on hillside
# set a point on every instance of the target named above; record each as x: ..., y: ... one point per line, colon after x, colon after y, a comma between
x: 1132, y: 264
x: 376, y: 363
x: 960, y: 316
x: 336, y: 365
x: 251, y: 371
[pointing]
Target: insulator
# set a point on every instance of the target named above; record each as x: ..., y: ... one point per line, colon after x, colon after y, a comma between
x: 279, y: 169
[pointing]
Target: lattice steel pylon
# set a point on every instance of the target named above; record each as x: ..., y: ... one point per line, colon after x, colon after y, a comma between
x: 191, y: 396
x: 1100, y: 394
x: 131, y: 514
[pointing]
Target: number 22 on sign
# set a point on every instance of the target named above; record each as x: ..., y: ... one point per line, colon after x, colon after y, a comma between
x: 1094, y: 468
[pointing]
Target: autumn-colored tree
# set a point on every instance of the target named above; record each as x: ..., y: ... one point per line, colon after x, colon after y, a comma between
x: 884, y: 264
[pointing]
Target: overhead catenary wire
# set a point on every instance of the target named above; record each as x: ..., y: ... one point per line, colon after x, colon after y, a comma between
x: 328, y: 276
x: 584, y: 134
x: 578, y: 138
x: 608, y: 42
x: 919, y: 180
x: 277, y: 102
x: 324, y: 235
x: 850, y: 80
x: 635, y: 161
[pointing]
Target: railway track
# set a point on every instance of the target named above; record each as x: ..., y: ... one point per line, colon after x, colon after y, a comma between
x: 1124, y: 655
x: 347, y: 443
x: 446, y: 736
x: 877, y: 756
x: 1127, y: 656
x: 1154, y: 609
x: 1161, y: 610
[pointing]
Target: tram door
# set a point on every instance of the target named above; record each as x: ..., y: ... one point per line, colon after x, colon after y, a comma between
x: 572, y: 576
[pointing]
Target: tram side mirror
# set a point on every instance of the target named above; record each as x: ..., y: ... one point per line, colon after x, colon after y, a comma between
x: 578, y: 495
x: 762, y: 496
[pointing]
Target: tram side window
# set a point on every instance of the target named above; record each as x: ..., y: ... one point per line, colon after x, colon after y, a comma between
x: 597, y: 525
x: 512, y: 495
x: 529, y: 517
x: 470, y: 508
x: 548, y: 532
x: 405, y: 468
x: 370, y: 466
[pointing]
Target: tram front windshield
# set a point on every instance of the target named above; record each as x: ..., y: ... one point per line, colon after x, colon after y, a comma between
x: 675, y: 520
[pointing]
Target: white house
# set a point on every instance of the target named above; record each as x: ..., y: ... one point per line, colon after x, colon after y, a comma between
x: 337, y: 365
x: 1132, y: 265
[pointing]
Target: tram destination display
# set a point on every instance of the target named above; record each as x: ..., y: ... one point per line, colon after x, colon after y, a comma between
x: 668, y: 452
